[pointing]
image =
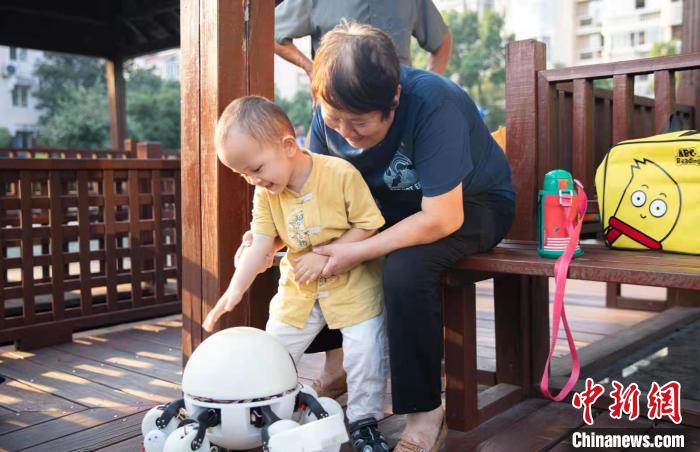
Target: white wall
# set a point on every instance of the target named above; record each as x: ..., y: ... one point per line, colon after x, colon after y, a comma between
x: 165, y: 64
x: 290, y: 78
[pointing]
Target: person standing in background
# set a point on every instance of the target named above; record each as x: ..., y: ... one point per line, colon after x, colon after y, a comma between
x: 400, y: 19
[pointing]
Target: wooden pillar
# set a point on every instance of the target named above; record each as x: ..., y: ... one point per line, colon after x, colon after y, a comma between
x: 149, y: 150
x: 226, y: 52
x: 689, y: 86
x: 523, y: 61
x: 116, y: 91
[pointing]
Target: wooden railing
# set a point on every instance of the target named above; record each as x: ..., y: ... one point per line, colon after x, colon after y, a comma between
x: 626, y: 118
x: 86, y: 242
x: 132, y: 149
x: 570, y: 124
x: 642, y: 124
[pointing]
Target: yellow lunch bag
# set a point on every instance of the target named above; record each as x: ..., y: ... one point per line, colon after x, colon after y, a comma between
x: 649, y: 193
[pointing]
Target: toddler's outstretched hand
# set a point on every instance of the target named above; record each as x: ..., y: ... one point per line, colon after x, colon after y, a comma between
x: 226, y: 303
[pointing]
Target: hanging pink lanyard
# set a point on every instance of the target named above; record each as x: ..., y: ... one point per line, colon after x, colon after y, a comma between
x: 561, y: 270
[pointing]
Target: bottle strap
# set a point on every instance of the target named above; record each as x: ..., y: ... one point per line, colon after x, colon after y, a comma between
x: 561, y: 270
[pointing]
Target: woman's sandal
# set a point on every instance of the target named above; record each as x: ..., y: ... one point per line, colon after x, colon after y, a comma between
x: 334, y: 389
x: 407, y: 446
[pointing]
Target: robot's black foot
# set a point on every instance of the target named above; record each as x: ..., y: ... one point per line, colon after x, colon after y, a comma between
x: 366, y: 437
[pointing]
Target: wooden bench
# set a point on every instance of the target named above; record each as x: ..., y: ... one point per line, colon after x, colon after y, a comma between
x: 543, y: 133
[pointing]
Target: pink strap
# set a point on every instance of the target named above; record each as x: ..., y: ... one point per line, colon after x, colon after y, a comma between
x: 561, y: 270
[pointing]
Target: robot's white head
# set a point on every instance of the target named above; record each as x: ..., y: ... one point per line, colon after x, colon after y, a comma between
x: 239, y: 364
x: 240, y: 385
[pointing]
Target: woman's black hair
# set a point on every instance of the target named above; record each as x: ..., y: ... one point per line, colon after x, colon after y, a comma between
x: 356, y: 69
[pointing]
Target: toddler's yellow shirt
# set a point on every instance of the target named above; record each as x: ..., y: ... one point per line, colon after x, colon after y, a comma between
x: 333, y: 200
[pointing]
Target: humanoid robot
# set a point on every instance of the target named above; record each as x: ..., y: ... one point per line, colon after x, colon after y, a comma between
x: 241, y: 391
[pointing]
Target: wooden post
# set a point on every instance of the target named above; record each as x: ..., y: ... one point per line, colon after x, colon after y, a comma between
x: 149, y: 150
x: 664, y: 99
x: 623, y: 107
x: 116, y: 90
x: 460, y: 357
x: 130, y: 147
x: 582, y: 134
x: 688, y: 94
x: 689, y: 86
x: 523, y: 60
x: 227, y: 52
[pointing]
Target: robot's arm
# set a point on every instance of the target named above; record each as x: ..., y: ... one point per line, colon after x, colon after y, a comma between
x: 321, y: 435
x: 322, y: 427
x: 305, y: 400
x: 171, y: 410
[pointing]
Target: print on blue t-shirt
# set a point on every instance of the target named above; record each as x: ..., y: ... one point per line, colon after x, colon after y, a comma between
x: 401, y: 173
x: 437, y: 140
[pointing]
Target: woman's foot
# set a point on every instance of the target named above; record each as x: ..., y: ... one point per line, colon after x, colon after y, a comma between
x: 424, y: 429
x: 332, y: 381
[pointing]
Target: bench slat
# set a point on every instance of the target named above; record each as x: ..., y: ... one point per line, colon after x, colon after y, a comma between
x: 596, y: 264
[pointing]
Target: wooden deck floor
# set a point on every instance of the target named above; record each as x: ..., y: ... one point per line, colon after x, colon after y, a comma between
x: 92, y: 393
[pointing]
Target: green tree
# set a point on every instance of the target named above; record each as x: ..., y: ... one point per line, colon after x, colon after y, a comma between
x: 153, y: 108
x: 664, y: 48
x: 73, y: 96
x: 5, y: 137
x: 298, y: 108
x: 60, y: 74
x: 79, y: 120
x: 478, y: 60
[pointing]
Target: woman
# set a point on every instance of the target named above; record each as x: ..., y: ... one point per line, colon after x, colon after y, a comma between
x: 441, y: 182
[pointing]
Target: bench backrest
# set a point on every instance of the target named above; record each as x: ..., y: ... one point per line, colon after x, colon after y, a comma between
x: 557, y: 119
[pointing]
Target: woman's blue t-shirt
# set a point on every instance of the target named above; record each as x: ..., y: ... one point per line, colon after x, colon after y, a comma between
x: 436, y: 141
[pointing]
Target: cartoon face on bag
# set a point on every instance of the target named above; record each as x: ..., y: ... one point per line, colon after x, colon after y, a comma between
x: 651, y: 202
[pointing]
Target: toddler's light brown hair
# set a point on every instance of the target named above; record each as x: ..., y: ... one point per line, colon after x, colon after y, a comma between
x: 255, y: 116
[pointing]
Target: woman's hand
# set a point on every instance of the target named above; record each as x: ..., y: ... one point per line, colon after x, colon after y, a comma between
x: 308, y: 267
x: 342, y: 257
x: 226, y: 303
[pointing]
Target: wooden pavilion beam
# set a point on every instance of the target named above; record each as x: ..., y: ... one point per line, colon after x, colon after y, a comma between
x: 20, y: 28
x: 101, y: 28
x: 116, y: 93
x: 226, y: 52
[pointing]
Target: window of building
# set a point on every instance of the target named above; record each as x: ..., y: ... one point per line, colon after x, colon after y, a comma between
x: 20, y: 96
x: 586, y: 55
x: 642, y: 38
x: 602, y: 40
x: 632, y: 39
x: 172, y: 69
x: 585, y: 22
x: 23, y: 139
x: 639, y: 4
x: 18, y: 54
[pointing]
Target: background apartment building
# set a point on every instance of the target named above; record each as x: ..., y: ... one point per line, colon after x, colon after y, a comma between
x: 18, y: 112
x: 616, y: 30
